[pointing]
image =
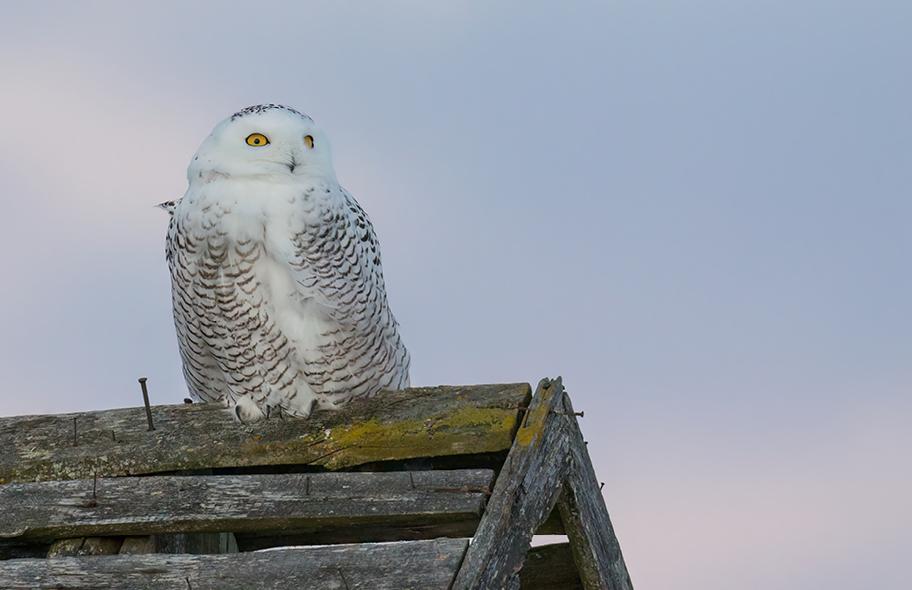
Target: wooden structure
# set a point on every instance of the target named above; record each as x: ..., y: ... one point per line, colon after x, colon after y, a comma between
x: 423, y: 488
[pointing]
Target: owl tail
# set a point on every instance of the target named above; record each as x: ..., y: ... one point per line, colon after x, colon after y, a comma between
x: 168, y: 206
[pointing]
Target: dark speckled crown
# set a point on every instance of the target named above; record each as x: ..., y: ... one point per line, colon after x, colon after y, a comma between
x: 262, y: 108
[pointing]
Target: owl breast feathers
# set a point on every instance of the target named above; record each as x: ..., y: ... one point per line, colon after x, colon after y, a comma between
x: 278, y: 292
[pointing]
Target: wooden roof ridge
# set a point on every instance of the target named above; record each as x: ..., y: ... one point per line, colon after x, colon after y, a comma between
x: 432, y: 487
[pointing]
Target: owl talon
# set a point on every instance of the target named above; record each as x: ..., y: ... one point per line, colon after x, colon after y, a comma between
x: 246, y: 411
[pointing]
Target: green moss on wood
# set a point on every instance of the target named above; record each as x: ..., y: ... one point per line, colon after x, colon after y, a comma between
x: 420, y: 422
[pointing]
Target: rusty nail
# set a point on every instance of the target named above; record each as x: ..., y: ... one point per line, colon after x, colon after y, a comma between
x: 601, y: 485
x: 145, y: 392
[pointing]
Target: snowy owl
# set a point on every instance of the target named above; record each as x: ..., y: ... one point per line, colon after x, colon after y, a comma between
x: 278, y: 293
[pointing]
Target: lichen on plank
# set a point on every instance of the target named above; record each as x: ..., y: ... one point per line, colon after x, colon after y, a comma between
x: 408, y: 424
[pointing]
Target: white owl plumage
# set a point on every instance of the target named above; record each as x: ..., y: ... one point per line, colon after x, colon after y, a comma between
x: 278, y: 291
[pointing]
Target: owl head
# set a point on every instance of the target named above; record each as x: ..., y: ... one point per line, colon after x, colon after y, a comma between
x: 264, y: 140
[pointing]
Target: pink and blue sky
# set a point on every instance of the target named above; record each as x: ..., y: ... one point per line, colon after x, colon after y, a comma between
x: 697, y: 212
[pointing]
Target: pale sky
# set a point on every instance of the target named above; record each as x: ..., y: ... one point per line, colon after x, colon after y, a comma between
x: 697, y: 212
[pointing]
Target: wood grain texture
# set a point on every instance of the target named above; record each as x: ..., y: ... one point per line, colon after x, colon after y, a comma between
x: 548, y: 461
x: 524, y: 495
x: 419, y: 422
x: 596, y: 549
x: 41, y: 511
x: 424, y: 565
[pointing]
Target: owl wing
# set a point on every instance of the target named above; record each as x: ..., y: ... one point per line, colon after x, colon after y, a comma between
x: 284, y: 322
x: 193, y: 320
x: 336, y: 261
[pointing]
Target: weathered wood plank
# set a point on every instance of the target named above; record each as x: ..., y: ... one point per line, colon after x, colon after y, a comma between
x: 596, y: 549
x: 420, y: 422
x: 367, y: 566
x: 524, y: 494
x: 548, y: 459
x: 41, y: 511
x: 549, y: 567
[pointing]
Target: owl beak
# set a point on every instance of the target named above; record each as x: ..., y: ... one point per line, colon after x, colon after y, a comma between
x: 168, y: 206
x: 292, y: 164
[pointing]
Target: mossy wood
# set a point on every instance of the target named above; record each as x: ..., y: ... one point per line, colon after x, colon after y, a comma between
x: 68, y: 483
x: 412, y: 423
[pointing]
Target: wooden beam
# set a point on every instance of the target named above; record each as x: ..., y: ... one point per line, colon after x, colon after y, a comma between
x: 524, y: 495
x: 377, y: 566
x: 596, y: 549
x: 413, y: 423
x: 548, y: 460
x: 45, y: 511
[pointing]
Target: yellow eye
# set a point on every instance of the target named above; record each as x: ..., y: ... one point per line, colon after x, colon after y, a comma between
x: 257, y: 140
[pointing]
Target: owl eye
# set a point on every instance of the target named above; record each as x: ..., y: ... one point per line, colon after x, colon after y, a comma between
x: 257, y: 140
x: 309, y: 141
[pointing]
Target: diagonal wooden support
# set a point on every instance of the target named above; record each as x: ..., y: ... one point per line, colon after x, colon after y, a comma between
x: 548, y: 461
x: 524, y: 494
x: 595, y: 547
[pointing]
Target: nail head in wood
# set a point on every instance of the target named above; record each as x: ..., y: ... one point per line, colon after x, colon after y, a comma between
x: 94, y: 501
